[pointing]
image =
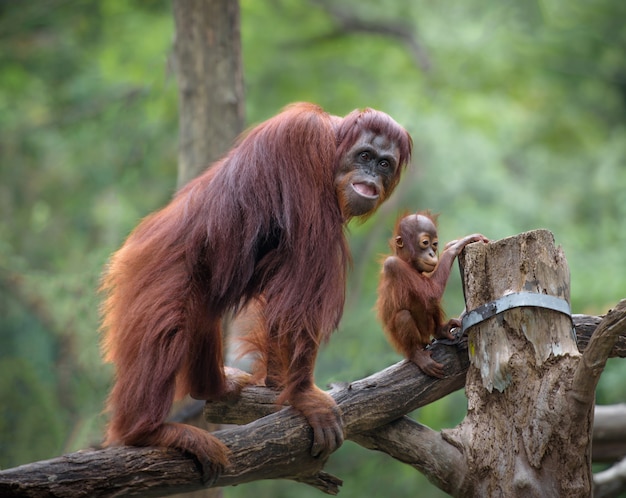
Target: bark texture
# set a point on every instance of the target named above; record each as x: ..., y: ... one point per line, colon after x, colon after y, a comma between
x: 524, y: 435
x: 207, y: 61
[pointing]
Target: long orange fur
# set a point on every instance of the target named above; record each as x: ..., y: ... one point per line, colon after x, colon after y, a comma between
x: 264, y: 223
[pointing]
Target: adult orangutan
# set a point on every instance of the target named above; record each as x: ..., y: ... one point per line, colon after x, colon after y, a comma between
x: 411, y: 286
x: 263, y: 225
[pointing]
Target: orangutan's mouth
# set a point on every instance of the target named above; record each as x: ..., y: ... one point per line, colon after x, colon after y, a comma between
x: 366, y: 189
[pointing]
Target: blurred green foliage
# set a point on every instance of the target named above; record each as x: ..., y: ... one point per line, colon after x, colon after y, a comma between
x: 518, y: 117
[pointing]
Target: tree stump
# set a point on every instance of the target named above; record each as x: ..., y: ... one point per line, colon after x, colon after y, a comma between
x: 522, y: 435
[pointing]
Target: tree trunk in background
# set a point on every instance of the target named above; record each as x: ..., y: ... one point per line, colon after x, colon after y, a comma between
x: 207, y: 61
x: 207, y: 55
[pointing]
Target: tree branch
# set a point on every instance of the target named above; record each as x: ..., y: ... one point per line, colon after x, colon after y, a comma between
x: 595, y: 355
x: 420, y: 447
x: 610, y: 483
x: 609, y: 433
x: 349, y: 23
x: 273, y: 447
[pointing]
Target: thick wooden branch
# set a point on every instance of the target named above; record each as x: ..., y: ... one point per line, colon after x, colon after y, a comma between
x: 585, y: 326
x: 273, y: 447
x: 594, y: 358
x: 421, y: 447
x: 610, y: 483
x: 276, y: 446
x: 367, y: 403
x: 122, y: 471
x: 609, y: 433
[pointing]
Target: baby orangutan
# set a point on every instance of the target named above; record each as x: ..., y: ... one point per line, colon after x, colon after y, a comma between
x: 411, y: 286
